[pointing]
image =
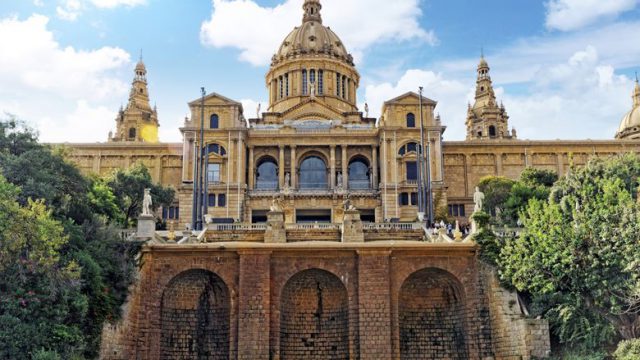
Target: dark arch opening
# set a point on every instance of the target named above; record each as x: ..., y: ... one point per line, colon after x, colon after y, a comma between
x: 492, y: 131
x: 359, y: 175
x: 313, y: 174
x: 314, y: 317
x: 195, y: 317
x: 431, y: 317
x: 132, y: 133
x: 267, y: 174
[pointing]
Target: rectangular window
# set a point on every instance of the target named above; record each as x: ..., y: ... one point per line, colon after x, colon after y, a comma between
x: 414, y: 199
x: 320, y: 82
x: 337, y: 84
x: 213, y: 173
x: 457, y: 210
x: 312, y: 77
x: 305, y: 84
x: 412, y: 171
x: 404, y: 199
x: 286, y: 80
x: 172, y: 212
x: 222, y: 200
x: 281, y: 87
x: 212, y: 200
x: 344, y: 87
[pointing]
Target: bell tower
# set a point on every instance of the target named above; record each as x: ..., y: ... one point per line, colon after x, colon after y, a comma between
x: 486, y: 119
x: 138, y: 122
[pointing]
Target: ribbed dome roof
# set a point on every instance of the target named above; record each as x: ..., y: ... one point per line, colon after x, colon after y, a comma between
x: 312, y: 38
x: 631, y: 121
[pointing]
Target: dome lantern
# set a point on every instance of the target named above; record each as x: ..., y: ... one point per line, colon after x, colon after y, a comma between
x: 312, y: 11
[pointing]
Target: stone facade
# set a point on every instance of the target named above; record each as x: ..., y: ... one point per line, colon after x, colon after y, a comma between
x: 315, y: 250
x: 335, y: 300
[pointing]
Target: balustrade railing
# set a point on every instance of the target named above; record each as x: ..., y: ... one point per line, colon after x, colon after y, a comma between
x: 392, y: 226
x: 237, y: 227
x: 313, y: 226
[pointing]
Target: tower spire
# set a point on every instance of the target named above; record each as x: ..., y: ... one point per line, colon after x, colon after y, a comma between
x: 312, y: 11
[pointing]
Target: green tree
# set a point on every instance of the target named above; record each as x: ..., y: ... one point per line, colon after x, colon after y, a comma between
x: 128, y: 187
x: 579, y: 252
x: 41, y: 305
x: 496, y: 190
x: 533, y: 184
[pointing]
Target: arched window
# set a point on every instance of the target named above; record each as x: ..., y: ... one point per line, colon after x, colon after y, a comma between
x: 313, y: 173
x: 216, y: 149
x: 214, y: 121
x: 408, y: 148
x: 359, y: 175
x: 267, y: 175
x: 411, y: 120
x: 305, y: 84
x: 320, y: 82
x: 132, y: 133
x: 312, y: 77
x: 492, y: 131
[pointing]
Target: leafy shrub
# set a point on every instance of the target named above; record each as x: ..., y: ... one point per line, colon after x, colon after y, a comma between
x: 628, y: 350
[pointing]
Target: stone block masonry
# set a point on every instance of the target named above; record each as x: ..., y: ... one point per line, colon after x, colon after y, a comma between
x: 365, y: 301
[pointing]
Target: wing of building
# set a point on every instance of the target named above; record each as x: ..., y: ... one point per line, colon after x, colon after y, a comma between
x: 312, y: 247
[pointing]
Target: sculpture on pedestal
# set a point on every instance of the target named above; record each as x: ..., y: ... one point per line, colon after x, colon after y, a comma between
x: 147, y: 203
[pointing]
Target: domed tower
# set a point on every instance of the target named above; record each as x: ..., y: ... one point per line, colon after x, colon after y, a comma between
x: 486, y: 119
x: 137, y: 122
x: 312, y: 65
x: 630, y: 125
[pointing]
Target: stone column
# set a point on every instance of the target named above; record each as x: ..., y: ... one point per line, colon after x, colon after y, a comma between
x: 294, y: 168
x: 332, y: 165
x: 252, y: 175
x: 253, y: 302
x: 374, y: 166
x: 281, y: 168
x: 345, y: 168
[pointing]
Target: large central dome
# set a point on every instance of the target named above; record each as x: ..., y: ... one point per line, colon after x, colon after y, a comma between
x: 312, y: 38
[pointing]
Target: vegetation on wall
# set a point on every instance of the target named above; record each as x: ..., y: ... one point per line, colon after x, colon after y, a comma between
x: 578, y: 256
x: 64, y: 269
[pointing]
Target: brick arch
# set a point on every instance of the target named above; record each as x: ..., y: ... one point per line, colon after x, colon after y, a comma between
x: 314, y: 317
x: 432, y: 316
x: 195, y: 317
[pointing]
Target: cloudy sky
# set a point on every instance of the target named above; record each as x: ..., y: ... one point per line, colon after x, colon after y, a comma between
x: 563, y: 68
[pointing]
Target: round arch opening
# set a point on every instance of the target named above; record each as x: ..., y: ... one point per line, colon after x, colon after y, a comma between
x: 359, y: 174
x: 314, y: 317
x: 195, y: 317
x: 267, y: 174
x: 313, y: 174
x: 431, y: 316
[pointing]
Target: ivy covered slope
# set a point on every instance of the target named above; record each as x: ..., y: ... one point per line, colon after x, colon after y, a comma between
x: 64, y: 270
x: 579, y: 254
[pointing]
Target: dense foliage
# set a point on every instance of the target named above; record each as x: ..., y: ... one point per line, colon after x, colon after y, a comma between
x: 579, y: 253
x: 64, y: 270
x: 628, y: 350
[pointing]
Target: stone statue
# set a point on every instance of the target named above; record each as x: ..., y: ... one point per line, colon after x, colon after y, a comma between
x: 339, y: 185
x: 258, y: 110
x: 478, y: 199
x: 275, y: 205
x: 366, y: 110
x: 312, y: 90
x: 147, y: 203
x: 287, y: 181
x: 348, y: 205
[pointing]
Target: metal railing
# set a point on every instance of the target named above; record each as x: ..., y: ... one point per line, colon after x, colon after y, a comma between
x: 359, y: 185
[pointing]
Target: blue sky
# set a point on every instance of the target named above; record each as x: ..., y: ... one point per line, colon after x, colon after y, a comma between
x: 563, y: 68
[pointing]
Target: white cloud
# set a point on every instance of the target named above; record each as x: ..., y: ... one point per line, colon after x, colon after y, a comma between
x: 578, y: 98
x: 51, y: 86
x: 567, y: 15
x: 70, y: 10
x: 110, y: 4
x: 258, y: 31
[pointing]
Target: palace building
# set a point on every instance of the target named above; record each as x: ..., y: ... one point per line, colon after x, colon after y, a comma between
x: 307, y: 241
